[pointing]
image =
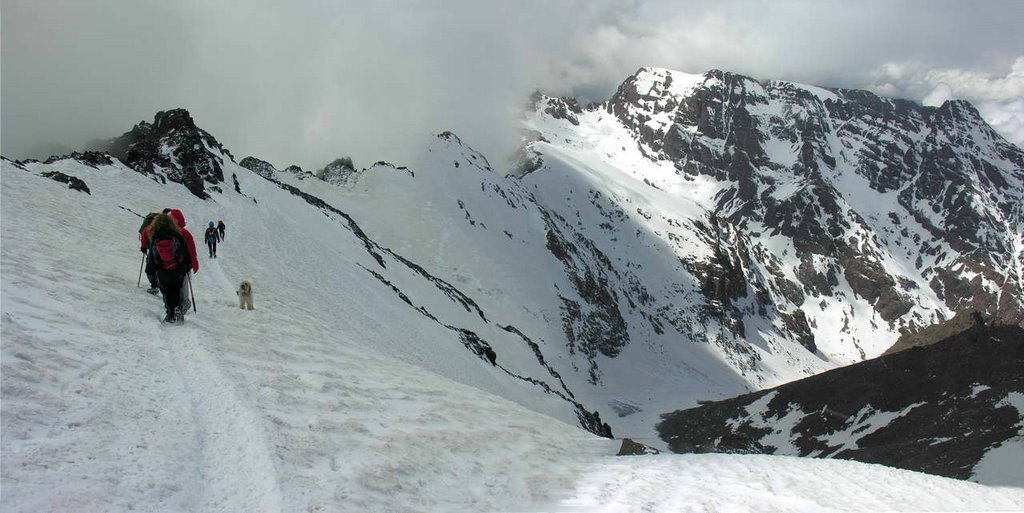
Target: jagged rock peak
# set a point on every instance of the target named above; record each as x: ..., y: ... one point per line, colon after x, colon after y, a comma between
x: 174, y: 119
x: 341, y: 171
x: 172, y: 148
x: 260, y: 167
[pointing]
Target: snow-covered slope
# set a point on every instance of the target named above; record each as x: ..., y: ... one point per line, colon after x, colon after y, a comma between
x: 697, y: 236
x: 333, y: 395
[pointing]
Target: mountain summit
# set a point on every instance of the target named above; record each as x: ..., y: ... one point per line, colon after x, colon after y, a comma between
x: 172, y: 148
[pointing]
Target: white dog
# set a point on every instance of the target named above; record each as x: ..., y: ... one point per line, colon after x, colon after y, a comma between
x: 244, y: 295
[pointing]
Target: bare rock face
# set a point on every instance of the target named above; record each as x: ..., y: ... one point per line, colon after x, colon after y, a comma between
x: 960, y: 323
x: 937, y: 408
x: 260, y: 167
x: 339, y: 172
x: 172, y: 148
x: 74, y: 183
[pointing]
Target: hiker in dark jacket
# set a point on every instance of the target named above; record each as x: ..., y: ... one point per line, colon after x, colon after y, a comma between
x: 169, y: 253
x: 212, y: 237
x: 220, y: 228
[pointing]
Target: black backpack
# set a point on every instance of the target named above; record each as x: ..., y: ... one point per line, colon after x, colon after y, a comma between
x: 146, y: 220
x: 167, y: 251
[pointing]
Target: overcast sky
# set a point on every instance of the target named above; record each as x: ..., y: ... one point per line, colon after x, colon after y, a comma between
x: 302, y: 82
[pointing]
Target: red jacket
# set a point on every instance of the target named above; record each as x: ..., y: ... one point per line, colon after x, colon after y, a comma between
x: 180, y: 219
x: 189, y: 241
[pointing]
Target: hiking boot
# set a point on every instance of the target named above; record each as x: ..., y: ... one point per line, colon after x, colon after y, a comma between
x: 169, y: 319
x: 152, y: 290
x: 185, y: 304
x: 179, y: 313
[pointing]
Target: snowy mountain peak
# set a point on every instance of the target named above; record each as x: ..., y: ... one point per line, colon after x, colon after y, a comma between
x: 916, y: 207
x: 172, y: 148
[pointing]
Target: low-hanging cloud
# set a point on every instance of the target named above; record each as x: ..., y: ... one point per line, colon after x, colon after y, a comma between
x: 304, y: 82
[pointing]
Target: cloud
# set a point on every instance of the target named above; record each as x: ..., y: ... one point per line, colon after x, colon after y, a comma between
x: 938, y: 96
x: 999, y: 98
x: 304, y: 82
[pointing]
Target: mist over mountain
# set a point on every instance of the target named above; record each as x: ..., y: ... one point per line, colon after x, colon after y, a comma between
x: 304, y: 83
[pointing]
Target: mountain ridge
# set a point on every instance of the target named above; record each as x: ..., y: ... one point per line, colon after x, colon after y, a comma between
x: 666, y: 248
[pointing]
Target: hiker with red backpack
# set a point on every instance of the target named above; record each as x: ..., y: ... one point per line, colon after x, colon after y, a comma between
x: 172, y: 251
x: 144, y: 247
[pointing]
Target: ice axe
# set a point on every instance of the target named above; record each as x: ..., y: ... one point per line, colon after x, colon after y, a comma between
x: 192, y: 292
x: 143, y: 264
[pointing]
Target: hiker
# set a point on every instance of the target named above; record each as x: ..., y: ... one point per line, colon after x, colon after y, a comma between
x: 212, y: 237
x: 220, y: 228
x: 172, y: 251
x: 144, y: 247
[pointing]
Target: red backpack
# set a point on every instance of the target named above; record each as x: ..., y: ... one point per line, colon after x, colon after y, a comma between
x: 167, y: 251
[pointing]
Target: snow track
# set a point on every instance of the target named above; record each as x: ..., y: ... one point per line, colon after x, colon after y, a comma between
x: 237, y: 472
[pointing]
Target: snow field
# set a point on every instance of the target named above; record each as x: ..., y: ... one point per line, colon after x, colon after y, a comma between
x: 304, y: 404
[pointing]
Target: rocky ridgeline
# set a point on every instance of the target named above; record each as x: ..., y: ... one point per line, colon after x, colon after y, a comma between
x: 937, y: 408
x: 917, y: 210
x: 339, y: 172
x: 172, y: 148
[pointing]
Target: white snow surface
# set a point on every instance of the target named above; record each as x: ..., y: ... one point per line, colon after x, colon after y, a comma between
x: 1004, y: 464
x: 333, y: 395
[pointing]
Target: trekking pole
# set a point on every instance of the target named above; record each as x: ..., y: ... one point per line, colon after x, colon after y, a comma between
x: 143, y: 264
x: 192, y: 293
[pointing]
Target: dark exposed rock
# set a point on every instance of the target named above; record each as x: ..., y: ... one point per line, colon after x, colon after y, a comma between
x: 797, y: 325
x: 260, y: 167
x: 960, y: 323
x: 868, y: 279
x: 299, y: 173
x: 172, y: 148
x: 339, y: 172
x: 631, y: 447
x: 943, y: 407
x: 76, y: 184
x: 595, y: 324
x: 92, y: 159
x: 563, y: 108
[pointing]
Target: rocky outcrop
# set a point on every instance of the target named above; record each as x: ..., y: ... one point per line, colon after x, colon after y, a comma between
x: 299, y: 173
x: 74, y: 183
x: 960, y: 323
x: 174, y: 149
x: 260, y: 167
x: 93, y: 159
x: 935, y: 409
x: 339, y: 172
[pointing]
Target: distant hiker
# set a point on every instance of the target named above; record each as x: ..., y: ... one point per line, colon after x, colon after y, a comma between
x: 221, y: 227
x: 212, y: 237
x: 172, y: 252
